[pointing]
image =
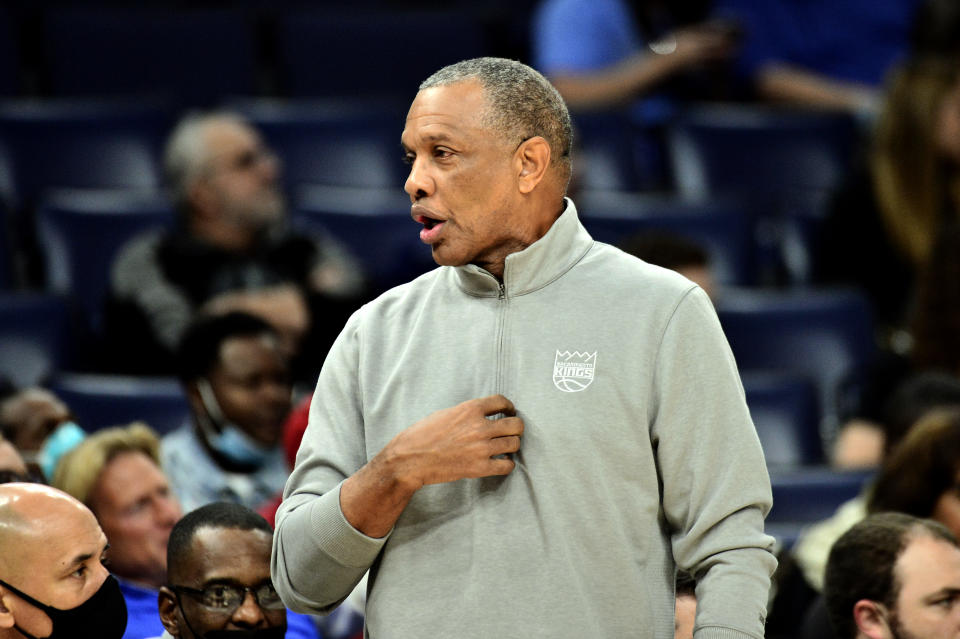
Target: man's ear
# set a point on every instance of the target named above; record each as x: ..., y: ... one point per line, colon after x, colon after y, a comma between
x: 6, y: 615
x: 169, y: 611
x: 871, y: 619
x: 533, y: 158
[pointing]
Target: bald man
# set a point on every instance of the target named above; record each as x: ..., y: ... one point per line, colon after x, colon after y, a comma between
x: 53, y: 583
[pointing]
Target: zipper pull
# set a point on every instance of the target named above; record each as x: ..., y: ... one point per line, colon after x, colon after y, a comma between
x: 503, y: 292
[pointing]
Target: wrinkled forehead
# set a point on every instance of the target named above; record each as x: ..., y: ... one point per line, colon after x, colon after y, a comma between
x: 225, y: 554
x: 228, y: 136
x: 462, y: 107
x: 49, y: 543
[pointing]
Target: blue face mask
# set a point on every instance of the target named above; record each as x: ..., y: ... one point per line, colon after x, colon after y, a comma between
x: 61, y: 441
x: 231, y: 441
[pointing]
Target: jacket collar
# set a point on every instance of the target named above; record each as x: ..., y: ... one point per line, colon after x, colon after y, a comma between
x: 534, y: 267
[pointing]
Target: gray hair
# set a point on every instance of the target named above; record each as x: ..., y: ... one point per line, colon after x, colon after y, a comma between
x: 186, y: 154
x: 522, y: 103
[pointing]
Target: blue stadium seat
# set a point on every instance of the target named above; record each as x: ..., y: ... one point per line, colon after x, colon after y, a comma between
x: 7, y: 248
x: 805, y: 496
x: 80, y: 233
x: 826, y: 335
x: 336, y: 142
x: 786, y: 162
x: 603, y: 154
x: 10, y: 63
x: 196, y: 56
x: 375, y: 225
x: 721, y: 226
x: 785, y: 413
x: 726, y: 148
x: 99, y: 401
x: 331, y: 53
x: 82, y: 144
x: 8, y: 181
x: 34, y: 337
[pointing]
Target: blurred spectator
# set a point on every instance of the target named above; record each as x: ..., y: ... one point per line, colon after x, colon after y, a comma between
x: 921, y: 475
x: 892, y: 209
x: 116, y: 473
x: 893, y: 576
x: 346, y: 622
x: 29, y: 416
x: 293, y: 429
x: 12, y: 466
x: 864, y: 444
x: 675, y: 253
x: 40, y: 427
x: 52, y: 579
x: 606, y: 53
x: 936, y: 314
x: 917, y: 477
x: 219, y: 579
x: 821, y: 54
x: 235, y: 374
x: 231, y: 250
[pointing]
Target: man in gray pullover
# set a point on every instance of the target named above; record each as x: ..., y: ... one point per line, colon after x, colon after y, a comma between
x: 528, y: 440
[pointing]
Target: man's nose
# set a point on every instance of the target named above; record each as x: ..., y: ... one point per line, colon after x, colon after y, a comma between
x: 249, y: 614
x: 419, y: 184
x: 167, y: 509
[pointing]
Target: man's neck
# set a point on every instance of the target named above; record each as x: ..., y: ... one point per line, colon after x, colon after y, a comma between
x: 228, y: 237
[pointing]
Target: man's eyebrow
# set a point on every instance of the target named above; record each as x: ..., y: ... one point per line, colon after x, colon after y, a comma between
x: 952, y: 591
x: 87, y: 556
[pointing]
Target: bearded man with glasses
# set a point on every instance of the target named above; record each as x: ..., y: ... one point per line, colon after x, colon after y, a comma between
x: 218, y: 579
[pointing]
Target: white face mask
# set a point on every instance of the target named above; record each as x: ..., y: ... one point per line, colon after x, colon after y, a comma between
x: 230, y: 441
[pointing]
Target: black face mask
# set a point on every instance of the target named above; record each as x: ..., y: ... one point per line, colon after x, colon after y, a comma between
x: 104, y: 615
x: 277, y: 632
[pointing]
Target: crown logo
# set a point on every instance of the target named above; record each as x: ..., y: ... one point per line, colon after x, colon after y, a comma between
x: 573, y: 371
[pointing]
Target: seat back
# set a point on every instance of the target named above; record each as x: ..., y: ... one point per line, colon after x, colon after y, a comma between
x: 194, y: 56
x: 382, y: 54
x: 100, y: 401
x: 805, y: 496
x: 826, y: 335
x: 785, y: 414
x: 722, y: 226
x: 83, y: 144
x: 337, y: 143
x: 34, y: 340
x: 728, y: 148
x: 81, y: 232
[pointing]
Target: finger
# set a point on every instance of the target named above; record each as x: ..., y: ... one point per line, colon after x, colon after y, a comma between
x: 504, y: 445
x: 505, y: 426
x: 500, y: 467
x: 496, y: 404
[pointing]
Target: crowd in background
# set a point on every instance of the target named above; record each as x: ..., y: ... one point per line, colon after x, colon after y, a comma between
x: 241, y: 305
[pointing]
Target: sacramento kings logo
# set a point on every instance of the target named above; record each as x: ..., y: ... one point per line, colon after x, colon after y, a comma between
x: 573, y: 372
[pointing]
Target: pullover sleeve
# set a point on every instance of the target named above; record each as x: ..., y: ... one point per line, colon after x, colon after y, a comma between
x: 318, y: 557
x: 716, y: 490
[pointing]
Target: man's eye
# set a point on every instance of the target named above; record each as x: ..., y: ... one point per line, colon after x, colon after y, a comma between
x: 79, y: 573
x: 218, y: 596
x: 440, y: 152
x: 408, y: 158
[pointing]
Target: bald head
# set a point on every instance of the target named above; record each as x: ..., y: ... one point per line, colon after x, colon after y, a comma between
x: 34, y: 519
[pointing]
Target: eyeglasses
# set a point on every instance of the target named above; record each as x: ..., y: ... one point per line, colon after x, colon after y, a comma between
x: 226, y: 598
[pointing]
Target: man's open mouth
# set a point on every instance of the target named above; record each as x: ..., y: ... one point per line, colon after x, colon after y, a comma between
x: 431, y: 228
